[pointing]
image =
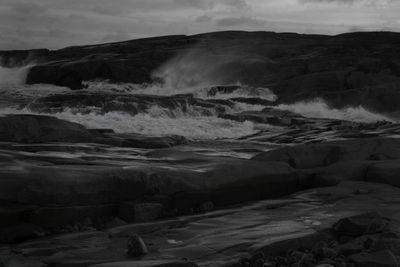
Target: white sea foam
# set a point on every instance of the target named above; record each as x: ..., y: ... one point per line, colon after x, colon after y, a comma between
x: 191, y: 127
x: 156, y: 122
x: 319, y: 109
x: 165, y: 90
x: 190, y: 121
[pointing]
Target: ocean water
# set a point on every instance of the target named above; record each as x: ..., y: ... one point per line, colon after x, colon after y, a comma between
x: 16, y: 97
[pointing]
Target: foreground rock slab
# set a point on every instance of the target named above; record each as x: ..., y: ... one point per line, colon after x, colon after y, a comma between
x: 223, y: 237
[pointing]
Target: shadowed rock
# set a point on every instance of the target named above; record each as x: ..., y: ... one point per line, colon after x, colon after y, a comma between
x: 34, y: 129
x: 325, y: 154
x: 136, y: 246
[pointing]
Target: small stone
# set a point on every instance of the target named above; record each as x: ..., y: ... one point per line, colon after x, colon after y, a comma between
x: 257, y: 256
x: 329, y: 253
x: 318, y: 250
x: 294, y: 256
x: 307, y: 260
x: 258, y: 263
x: 333, y: 244
x: 136, y: 246
x: 280, y: 261
x: 354, y: 246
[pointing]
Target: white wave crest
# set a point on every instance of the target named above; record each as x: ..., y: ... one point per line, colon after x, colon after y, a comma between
x: 156, y: 122
x: 319, y: 109
x: 164, y: 90
x: 196, y: 128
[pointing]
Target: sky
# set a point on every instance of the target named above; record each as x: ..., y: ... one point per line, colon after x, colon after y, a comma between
x: 53, y: 24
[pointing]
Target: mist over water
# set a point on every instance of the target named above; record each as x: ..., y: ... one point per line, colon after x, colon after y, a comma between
x: 13, y: 76
x: 179, y: 77
x: 193, y: 69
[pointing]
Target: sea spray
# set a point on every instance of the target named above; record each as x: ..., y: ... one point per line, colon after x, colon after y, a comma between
x: 242, y: 91
x: 318, y: 108
x: 156, y: 122
x: 13, y: 76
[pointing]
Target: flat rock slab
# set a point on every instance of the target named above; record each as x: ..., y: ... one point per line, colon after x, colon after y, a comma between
x: 32, y: 179
x: 218, y: 237
x: 328, y: 153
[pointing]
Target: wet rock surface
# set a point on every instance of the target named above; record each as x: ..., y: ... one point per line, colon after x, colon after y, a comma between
x: 298, y: 230
x: 135, y: 246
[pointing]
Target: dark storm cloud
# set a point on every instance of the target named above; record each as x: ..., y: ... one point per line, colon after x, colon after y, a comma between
x: 59, y: 23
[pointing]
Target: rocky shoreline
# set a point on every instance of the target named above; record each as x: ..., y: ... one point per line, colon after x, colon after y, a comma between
x: 60, y: 177
x: 153, y: 162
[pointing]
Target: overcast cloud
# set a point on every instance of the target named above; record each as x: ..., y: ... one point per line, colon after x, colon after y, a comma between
x: 59, y: 23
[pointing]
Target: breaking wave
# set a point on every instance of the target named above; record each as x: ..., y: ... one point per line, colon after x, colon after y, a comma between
x: 242, y: 91
x: 319, y: 109
x: 156, y: 122
x: 190, y: 121
x: 204, y: 127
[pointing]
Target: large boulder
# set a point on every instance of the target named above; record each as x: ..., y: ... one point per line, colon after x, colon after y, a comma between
x: 363, y: 224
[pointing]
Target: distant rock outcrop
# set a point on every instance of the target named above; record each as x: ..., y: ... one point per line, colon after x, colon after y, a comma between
x: 346, y: 69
